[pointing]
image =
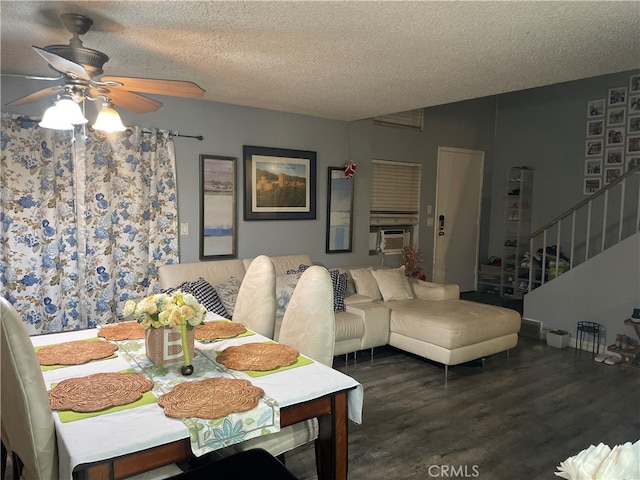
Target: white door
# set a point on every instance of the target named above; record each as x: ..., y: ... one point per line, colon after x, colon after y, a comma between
x: 457, y: 220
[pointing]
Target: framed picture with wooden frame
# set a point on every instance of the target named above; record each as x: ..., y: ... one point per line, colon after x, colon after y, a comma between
x: 339, y: 211
x: 279, y: 184
x: 217, y: 207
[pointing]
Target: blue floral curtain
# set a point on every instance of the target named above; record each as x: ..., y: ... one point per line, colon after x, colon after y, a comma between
x: 86, y: 221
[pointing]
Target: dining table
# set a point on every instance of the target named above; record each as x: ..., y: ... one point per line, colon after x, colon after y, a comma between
x: 123, y: 441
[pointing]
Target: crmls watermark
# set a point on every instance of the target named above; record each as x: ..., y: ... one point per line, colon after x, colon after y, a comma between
x: 454, y: 471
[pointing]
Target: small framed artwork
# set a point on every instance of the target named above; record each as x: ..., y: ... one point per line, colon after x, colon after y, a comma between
x: 592, y: 185
x: 217, y: 207
x: 593, y: 167
x: 611, y: 174
x: 339, y: 211
x: 634, y: 104
x: 279, y: 184
x: 634, y: 83
x: 615, y: 116
x: 595, y: 128
x: 633, y: 162
x: 633, y: 144
x: 594, y: 148
x: 595, y: 108
x: 617, y: 97
x: 615, y: 136
x: 634, y: 125
x: 614, y: 156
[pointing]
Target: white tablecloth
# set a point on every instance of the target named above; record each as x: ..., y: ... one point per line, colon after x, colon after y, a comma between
x: 107, y: 436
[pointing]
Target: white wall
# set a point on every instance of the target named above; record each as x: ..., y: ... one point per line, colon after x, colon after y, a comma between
x: 604, y: 290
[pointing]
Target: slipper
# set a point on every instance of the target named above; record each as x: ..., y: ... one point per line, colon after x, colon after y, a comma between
x: 599, y: 358
x: 612, y: 360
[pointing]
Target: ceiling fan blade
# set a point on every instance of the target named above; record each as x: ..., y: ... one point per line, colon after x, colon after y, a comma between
x: 131, y: 101
x: 173, y: 88
x: 62, y: 65
x: 36, y: 96
x: 31, y: 77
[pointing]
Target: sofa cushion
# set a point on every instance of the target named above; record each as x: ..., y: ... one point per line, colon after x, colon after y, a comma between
x: 285, y: 285
x: 365, y: 283
x: 451, y: 324
x: 228, y: 292
x: 349, y: 326
x: 183, y: 287
x: 207, y: 296
x: 339, y: 282
x: 393, y: 284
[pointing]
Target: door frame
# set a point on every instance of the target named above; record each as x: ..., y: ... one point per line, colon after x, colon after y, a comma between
x: 478, y: 214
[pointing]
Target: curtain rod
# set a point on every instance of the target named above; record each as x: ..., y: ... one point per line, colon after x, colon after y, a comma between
x: 177, y: 134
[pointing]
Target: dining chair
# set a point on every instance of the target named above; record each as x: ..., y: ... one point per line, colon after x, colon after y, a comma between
x: 308, y: 325
x: 27, y: 422
x: 255, y: 304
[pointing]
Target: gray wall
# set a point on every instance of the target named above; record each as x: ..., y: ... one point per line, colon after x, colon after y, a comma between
x: 543, y: 128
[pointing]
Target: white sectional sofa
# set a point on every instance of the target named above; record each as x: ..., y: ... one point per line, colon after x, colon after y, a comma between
x: 385, y: 307
x: 352, y: 333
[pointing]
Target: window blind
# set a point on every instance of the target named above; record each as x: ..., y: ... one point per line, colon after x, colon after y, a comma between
x: 395, y: 193
x: 408, y: 119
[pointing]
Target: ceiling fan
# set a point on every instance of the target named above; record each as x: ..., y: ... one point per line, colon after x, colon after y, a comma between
x: 80, y: 70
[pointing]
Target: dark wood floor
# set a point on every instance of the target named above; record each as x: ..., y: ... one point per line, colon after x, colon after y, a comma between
x: 514, y: 418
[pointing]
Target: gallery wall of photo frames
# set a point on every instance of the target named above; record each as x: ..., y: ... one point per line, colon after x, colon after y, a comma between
x: 613, y: 135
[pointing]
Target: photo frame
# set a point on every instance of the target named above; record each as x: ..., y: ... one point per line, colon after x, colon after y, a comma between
x: 614, y: 156
x: 634, y: 125
x: 217, y: 207
x: 633, y: 145
x: 611, y: 174
x: 593, y: 148
x: 634, y: 83
x: 279, y: 184
x: 617, y: 96
x: 615, y: 136
x: 595, y: 108
x: 616, y: 116
x: 339, y: 211
x: 633, y: 162
x: 595, y: 128
x: 592, y: 185
x: 634, y: 104
x: 593, y: 167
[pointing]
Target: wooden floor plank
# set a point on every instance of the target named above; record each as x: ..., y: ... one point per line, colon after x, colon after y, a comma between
x: 507, y: 418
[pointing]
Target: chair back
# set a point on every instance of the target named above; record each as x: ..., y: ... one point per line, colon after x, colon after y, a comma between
x: 27, y: 421
x: 256, y: 302
x: 309, y: 323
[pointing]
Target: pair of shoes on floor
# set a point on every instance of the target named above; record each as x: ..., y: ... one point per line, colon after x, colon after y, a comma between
x: 607, y: 359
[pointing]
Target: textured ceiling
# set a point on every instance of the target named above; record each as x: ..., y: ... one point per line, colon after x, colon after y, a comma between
x: 339, y: 59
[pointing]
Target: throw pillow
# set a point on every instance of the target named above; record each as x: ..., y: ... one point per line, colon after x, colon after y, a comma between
x: 393, y: 284
x: 228, y: 293
x: 301, y: 268
x: 184, y: 287
x: 207, y: 296
x: 285, y: 285
x: 339, y: 283
x: 365, y: 283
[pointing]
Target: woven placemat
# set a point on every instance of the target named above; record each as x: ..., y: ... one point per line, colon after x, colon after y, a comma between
x: 122, y: 331
x: 218, y: 329
x: 75, y: 353
x: 98, y: 391
x: 210, y: 398
x: 258, y: 356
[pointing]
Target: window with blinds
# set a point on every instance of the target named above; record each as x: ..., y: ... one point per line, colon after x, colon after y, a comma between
x: 395, y: 193
x: 409, y: 119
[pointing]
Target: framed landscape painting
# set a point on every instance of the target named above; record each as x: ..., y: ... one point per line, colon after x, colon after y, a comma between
x: 217, y: 207
x: 279, y: 184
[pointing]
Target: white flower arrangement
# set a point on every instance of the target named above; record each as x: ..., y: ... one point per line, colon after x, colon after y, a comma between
x: 167, y: 310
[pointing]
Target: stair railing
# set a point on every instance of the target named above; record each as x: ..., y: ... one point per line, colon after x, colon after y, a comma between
x: 627, y: 223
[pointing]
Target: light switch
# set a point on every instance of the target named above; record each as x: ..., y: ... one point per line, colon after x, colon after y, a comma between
x: 184, y: 229
x: 429, y: 221
x: 429, y: 209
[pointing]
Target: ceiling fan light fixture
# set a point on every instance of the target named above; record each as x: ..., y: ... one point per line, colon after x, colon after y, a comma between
x: 108, y: 120
x: 71, y: 110
x: 55, y: 119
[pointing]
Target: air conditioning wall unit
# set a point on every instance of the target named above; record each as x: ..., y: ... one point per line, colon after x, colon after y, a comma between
x: 394, y: 240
